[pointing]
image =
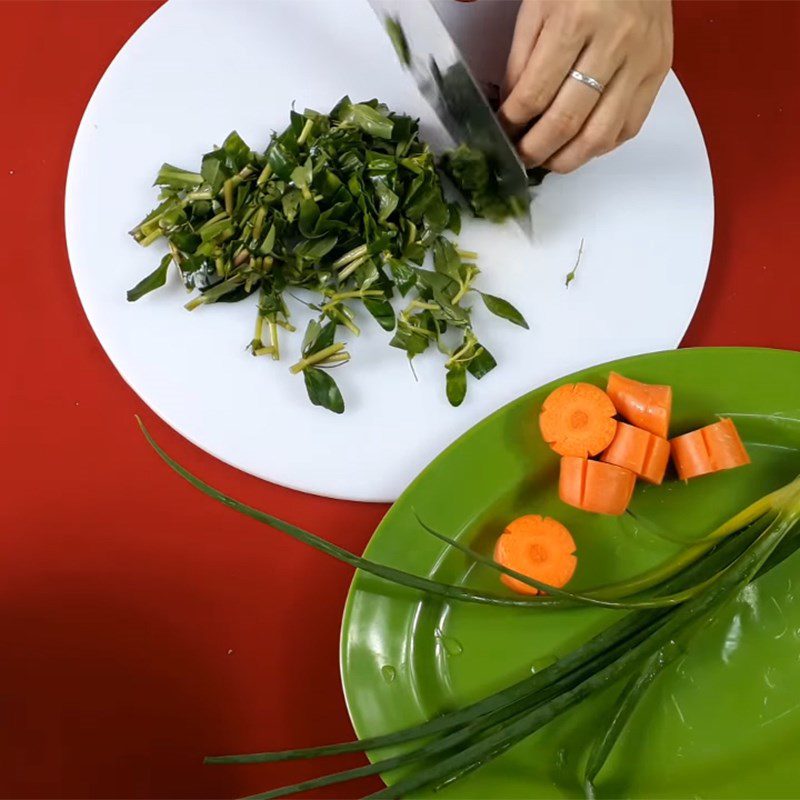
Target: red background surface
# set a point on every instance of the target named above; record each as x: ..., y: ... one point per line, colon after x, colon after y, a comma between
x: 143, y: 626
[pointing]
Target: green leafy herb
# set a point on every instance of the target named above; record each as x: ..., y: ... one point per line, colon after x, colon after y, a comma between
x: 398, y: 37
x: 481, y: 363
x: 456, y: 384
x: 502, y: 308
x: 474, y: 177
x: 347, y: 205
x: 322, y: 390
x: 158, y: 277
x: 176, y: 178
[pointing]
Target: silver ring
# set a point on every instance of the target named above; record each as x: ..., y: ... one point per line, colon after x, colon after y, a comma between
x: 586, y: 79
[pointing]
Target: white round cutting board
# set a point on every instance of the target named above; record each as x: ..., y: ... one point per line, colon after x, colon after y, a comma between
x: 198, y: 69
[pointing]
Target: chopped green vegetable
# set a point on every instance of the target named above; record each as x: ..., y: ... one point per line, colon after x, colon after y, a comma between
x: 322, y: 390
x: 456, y: 384
x: 473, y: 175
x: 158, y: 277
x: 502, y: 308
x: 398, y: 37
x: 347, y: 205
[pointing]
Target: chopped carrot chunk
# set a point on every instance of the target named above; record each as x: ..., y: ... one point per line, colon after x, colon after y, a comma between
x: 645, y: 405
x: 595, y: 485
x: 710, y: 449
x: 639, y: 451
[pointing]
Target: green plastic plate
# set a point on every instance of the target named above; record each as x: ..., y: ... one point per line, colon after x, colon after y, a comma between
x: 722, y: 721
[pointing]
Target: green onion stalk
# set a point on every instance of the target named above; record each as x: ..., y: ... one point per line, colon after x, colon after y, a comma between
x: 665, y: 607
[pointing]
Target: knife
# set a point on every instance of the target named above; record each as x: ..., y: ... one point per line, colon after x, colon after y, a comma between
x: 429, y: 53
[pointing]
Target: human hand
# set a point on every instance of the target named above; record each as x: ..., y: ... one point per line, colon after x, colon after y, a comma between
x: 626, y: 45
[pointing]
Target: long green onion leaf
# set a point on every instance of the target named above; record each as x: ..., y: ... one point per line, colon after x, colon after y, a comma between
x: 630, y: 696
x: 318, y: 543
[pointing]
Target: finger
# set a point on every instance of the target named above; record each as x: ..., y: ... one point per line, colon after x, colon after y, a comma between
x: 526, y: 32
x: 640, y: 109
x: 556, y: 50
x: 601, y: 131
x: 569, y: 111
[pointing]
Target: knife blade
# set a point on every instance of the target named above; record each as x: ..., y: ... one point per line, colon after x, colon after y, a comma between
x: 428, y: 52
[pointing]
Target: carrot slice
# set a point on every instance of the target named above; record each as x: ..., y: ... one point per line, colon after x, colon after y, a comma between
x: 710, y: 449
x: 725, y: 445
x: 577, y: 419
x: 645, y: 405
x: 691, y: 456
x: 595, y: 485
x: 639, y: 451
x: 539, y: 547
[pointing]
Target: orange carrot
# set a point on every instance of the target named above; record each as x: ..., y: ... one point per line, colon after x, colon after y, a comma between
x: 577, y: 419
x: 645, y: 405
x: 595, y: 485
x: 539, y: 547
x: 639, y: 451
x: 710, y: 449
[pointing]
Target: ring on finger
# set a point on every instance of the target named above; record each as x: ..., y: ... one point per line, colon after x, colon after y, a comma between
x: 587, y: 80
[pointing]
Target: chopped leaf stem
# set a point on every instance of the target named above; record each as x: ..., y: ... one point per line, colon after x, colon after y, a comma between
x: 214, y: 220
x: 258, y: 222
x: 422, y: 306
x: 459, y: 295
x: 352, y: 267
x: 351, y: 255
x: 151, y: 237
x: 227, y: 190
x: 264, y: 176
x: 316, y: 358
x: 301, y: 139
x: 215, y: 292
x: 343, y: 318
x: 335, y: 298
x: 273, y: 335
x: 176, y: 254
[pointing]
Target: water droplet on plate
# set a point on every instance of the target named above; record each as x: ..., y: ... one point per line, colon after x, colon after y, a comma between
x: 388, y: 673
x: 450, y: 644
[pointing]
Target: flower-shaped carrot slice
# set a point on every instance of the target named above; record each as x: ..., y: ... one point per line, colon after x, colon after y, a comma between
x: 577, y: 419
x: 539, y: 547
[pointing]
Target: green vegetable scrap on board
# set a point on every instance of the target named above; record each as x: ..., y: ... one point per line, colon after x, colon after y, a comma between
x: 574, y: 271
x: 346, y: 205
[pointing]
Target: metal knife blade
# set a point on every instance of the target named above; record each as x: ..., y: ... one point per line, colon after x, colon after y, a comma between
x: 446, y: 82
